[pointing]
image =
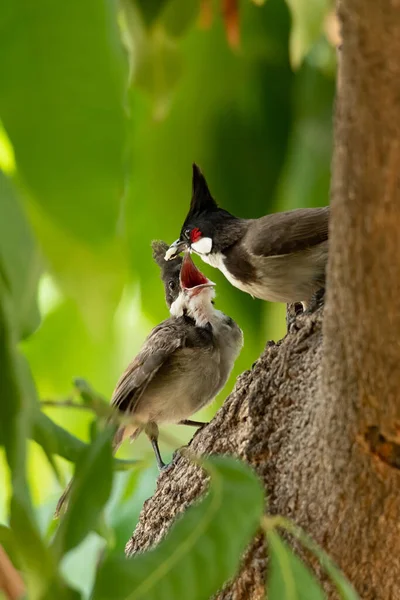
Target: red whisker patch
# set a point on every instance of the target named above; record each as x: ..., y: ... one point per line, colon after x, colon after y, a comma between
x: 195, y: 235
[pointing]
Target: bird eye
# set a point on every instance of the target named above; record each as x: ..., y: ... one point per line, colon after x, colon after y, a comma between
x: 171, y: 285
x: 186, y: 233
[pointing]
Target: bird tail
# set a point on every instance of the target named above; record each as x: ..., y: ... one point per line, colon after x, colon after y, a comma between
x: 63, y: 501
x: 119, y: 437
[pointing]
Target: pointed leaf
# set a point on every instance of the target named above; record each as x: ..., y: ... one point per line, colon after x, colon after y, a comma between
x: 15, y: 413
x: 90, y: 490
x: 288, y: 576
x: 57, y: 440
x: 20, y: 263
x: 208, y: 539
x: 62, y: 94
x: 342, y: 584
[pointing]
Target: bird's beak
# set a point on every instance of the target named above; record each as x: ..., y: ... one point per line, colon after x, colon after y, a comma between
x: 192, y: 280
x: 176, y: 248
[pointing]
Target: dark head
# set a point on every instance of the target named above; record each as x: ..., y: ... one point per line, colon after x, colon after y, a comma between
x: 170, y: 271
x: 207, y: 228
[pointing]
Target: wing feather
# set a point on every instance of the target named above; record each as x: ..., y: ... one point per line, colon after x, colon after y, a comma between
x: 291, y: 231
x: 163, y: 341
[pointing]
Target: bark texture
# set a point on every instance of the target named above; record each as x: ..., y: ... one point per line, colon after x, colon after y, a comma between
x: 318, y: 416
x: 360, y: 394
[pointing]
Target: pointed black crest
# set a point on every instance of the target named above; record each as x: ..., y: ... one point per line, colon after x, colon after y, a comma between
x: 202, y: 201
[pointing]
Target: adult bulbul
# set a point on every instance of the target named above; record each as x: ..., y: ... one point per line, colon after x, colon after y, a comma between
x: 183, y: 363
x: 280, y: 257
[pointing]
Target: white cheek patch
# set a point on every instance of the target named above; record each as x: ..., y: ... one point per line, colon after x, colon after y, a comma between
x: 203, y: 246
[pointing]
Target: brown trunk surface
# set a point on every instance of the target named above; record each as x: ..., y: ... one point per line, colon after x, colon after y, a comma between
x: 318, y: 416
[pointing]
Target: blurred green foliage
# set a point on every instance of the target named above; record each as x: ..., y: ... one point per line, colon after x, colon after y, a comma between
x: 196, y: 545
x: 103, y: 109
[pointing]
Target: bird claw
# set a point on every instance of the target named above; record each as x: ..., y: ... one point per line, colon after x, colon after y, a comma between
x: 296, y: 309
x: 165, y: 467
x: 292, y: 312
x: 316, y: 302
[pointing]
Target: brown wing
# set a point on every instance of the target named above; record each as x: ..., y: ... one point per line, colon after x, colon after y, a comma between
x: 163, y: 341
x: 286, y: 232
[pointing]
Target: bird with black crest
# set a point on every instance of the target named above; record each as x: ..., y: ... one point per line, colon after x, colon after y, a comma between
x: 280, y: 257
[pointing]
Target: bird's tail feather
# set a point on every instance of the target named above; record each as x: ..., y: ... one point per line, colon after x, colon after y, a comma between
x: 119, y: 436
x: 63, y: 500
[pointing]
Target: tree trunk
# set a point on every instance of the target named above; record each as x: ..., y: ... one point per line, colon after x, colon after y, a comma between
x: 318, y: 416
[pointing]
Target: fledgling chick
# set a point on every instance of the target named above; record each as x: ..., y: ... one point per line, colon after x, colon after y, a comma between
x: 183, y: 363
x: 281, y: 257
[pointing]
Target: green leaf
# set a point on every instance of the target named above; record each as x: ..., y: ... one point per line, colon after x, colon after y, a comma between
x: 15, y: 412
x: 307, y: 25
x: 57, y: 440
x: 104, y: 530
x: 288, y: 576
x: 58, y: 589
x: 63, y: 82
x: 90, y: 490
x: 20, y: 264
x: 208, y: 539
x: 38, y: 421
x: 343, y: 586
x: 29, y: 390
x: 132, y: 483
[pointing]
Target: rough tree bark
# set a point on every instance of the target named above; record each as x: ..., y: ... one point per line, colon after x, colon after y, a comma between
x: 318, y: 416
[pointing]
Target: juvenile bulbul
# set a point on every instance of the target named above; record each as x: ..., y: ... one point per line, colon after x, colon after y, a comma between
x: 183, y: 363
x: 280, y: 257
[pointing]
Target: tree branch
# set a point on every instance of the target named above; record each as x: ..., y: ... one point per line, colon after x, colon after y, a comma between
x: 265, y: 422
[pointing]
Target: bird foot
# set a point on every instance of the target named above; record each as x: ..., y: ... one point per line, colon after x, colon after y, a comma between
x: 297, y: 309
x: 317, y: 300
x: 164, y: 467
x: 199, y: 424
x: 292, y: 312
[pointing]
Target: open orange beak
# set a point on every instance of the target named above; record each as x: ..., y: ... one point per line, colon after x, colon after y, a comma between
x: 191, y: 279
